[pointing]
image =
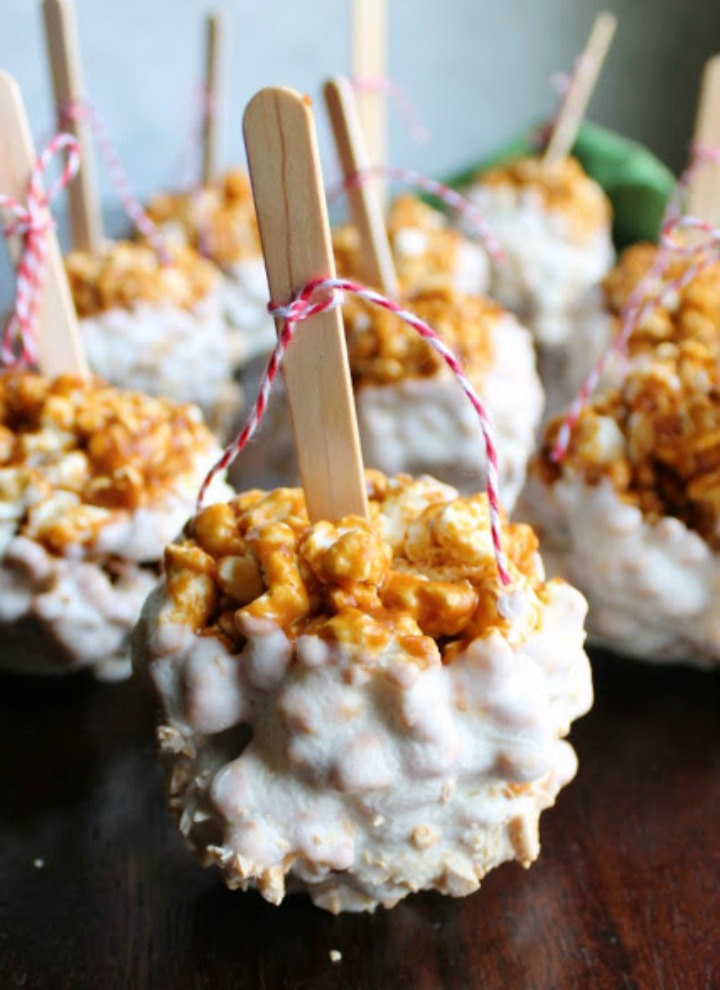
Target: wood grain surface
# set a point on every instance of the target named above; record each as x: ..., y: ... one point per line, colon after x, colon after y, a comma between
x: 624, y: 896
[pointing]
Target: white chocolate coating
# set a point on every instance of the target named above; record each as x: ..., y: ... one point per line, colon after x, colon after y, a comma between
x: 245, y: 297
x: 653, y: 588
x: 423, y: 425
x: 64, y: 612
x: 547, y: 271
x: 362, y: 775
x: 186, y: 355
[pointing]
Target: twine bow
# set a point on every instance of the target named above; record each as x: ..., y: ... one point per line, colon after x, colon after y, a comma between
x: 32, y: 221
x: 320, y: 296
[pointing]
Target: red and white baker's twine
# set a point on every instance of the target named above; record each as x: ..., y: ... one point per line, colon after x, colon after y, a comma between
x: 650, y: 291
x: 405, y: 106
x: 462, y: 206
x: 32, y: 221
x: 322, y: 295
x: 80, y: 110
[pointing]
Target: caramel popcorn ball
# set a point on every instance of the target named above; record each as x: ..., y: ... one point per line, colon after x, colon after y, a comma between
x: 218, y: 220
x: 78, y: 451
x: 125, y: 273
x: 359, y: 706
x: 656, y: 437
x: 563, y: 187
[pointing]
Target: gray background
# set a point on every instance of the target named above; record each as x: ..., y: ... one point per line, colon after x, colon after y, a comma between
x: 476, y: 69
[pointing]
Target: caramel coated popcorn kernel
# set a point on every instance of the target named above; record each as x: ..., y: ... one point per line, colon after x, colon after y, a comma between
x: 125, y: 273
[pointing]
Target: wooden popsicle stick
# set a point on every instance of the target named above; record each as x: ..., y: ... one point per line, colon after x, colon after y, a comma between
x: 61, y: 36
x: 369, y: 63
x: 59, y: 341
x: 292, y: 215
x: 583, y: 84
x: 376, y: 261
x: 215, y: 61
x: 703, y: 199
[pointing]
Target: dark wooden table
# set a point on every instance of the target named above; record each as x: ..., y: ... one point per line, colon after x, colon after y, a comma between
x: 97, y: 890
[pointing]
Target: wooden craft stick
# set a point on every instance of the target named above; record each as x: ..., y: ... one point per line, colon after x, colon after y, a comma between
x: 582, y: 87
x: 61, y: 36
x: 215, y: 63
x: 59, y: 342
x: 369, y: 66
x: 376, y: 262
x: 703, y: 199
x: 290, y: 203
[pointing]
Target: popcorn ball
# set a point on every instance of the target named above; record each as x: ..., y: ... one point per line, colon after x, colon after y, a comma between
x: 631, y: 514
x: 157, y: 327
x: 219, y: 221
x: 359, y: 709
x: 554, y: 225
x: 412, y: 416
x: 94, y: 483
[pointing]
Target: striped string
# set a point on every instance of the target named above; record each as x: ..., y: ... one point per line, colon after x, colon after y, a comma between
x: 32, y: 221
x: 406, y: 108
x: 331, y: 293
x: 80, y: 110
x: 462, y: 206
x: 648, y: 294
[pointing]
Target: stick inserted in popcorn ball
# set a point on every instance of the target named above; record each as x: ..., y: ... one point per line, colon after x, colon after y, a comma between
x: 408, y: 410
x: 358, y: 707
x: 61, y: 35
x: 580, y: 90
x: 552, y: 220
x: 625, y: 488
x: 296, y: 243
x: 369, y: 65
x: 151, y: 317
x: 703, y: 199
x: 93, y: 481
x: 45, y: 320
x: 216, y: 52
x: 376, y: 263
x: 658, y: 295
